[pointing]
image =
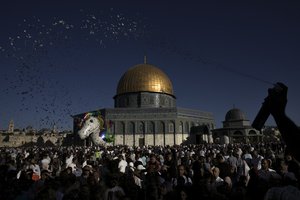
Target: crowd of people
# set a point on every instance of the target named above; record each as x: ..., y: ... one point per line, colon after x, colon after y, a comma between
x: 208, y: 171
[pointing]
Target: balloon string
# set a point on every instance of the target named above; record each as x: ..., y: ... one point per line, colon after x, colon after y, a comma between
x: 234, y: 71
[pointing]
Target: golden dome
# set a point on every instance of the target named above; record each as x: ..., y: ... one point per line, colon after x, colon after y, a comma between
x: 144, y: 78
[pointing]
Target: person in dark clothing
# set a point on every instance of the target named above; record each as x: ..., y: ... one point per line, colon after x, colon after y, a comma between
x: 171, y: 164
x: 225, y: 168
x: 152, y: 185
x: 292, y: 164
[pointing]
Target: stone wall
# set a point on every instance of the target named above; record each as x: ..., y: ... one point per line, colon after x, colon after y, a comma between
x: 19, y: 140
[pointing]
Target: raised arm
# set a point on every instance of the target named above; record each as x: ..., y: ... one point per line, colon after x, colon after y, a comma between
x: 276, y: 102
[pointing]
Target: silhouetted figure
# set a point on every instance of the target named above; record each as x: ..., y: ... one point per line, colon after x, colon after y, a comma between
x: 276, y: 104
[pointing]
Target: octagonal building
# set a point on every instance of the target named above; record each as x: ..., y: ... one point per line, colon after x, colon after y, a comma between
x: 145, y: 111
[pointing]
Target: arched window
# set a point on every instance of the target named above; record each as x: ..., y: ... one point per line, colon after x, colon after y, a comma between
x: 252, y: 132
x: 151, y: 127
x: 171, y: 127
x: 141, y: 127
x: 161, y: 127
x: 180, y: 127
x: 187, y: 127
x: 131, y: 128
x: 238, y: 133
x: 120, y: 126
x: 110, y: 125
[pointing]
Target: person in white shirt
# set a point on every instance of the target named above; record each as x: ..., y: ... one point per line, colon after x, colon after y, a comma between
x: 256, y: 160
x: 122, y: 164
x: 247, y: 156
x: 69, y: 160
x: 215, y: 180
x: 216, y: 173
x: 36, y: 170
x: 45, y: 162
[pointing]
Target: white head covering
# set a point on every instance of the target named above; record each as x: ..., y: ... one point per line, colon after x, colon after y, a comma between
x: 141, y: 167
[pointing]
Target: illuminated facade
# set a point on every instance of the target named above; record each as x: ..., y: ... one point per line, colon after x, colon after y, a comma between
x: 145, y: 111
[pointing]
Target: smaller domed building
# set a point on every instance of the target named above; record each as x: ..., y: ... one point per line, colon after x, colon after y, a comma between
x: 236, y: 129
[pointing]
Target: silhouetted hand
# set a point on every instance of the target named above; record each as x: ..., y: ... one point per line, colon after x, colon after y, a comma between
x: 277, y: 99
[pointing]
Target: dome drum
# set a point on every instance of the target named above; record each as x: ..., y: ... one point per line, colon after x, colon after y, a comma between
x: 144, y: 100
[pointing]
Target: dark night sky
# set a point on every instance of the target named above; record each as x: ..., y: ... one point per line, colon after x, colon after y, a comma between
x: 59, y: 59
